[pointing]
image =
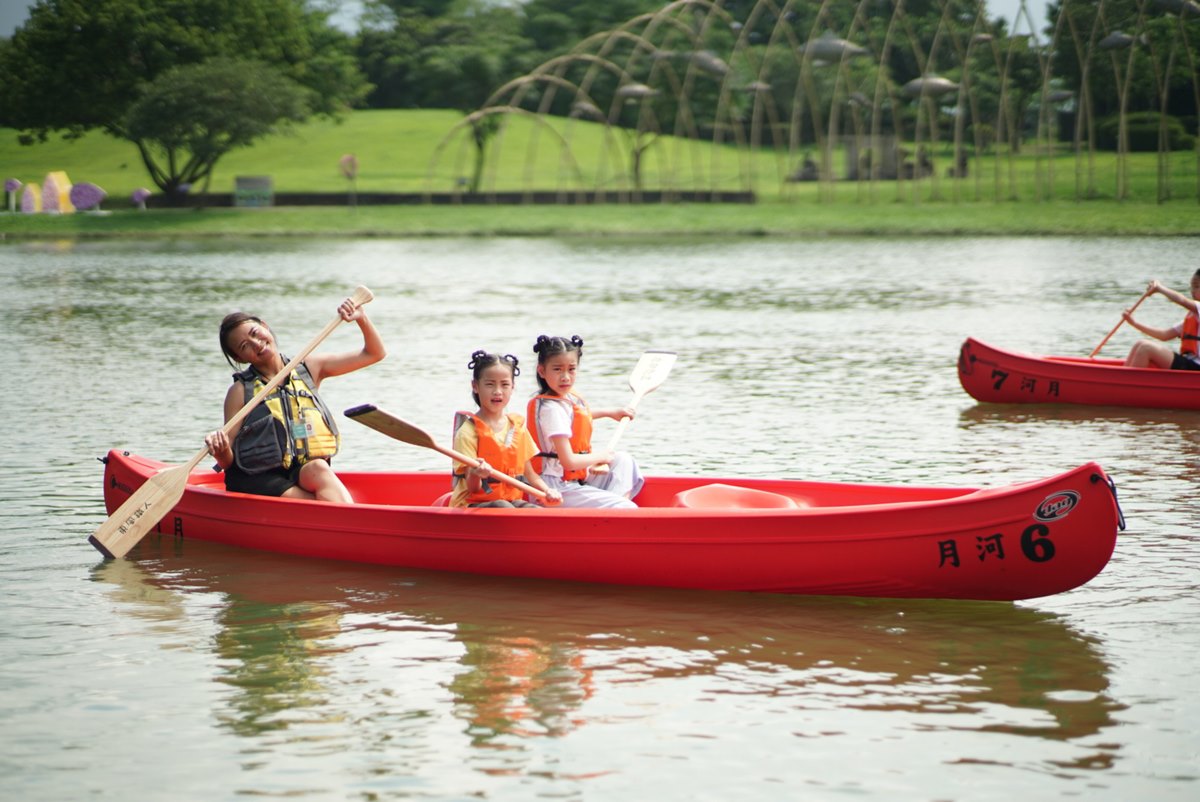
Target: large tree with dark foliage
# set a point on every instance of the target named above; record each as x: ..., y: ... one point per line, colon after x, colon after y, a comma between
x: 80, y: 65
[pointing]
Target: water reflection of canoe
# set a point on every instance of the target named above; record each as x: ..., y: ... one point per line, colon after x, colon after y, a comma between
x: 1006, y: 377
x: 868, y: 653
x: 1010, y: 542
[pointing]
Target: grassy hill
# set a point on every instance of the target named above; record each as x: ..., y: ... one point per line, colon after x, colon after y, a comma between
x: 429, y: 151
x: 393, y: 149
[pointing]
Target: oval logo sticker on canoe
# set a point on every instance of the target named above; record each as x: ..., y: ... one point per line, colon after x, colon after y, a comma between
x: 1057, y: 506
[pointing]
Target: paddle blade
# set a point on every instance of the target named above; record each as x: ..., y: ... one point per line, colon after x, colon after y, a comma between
x: 148, y: 505
x: 651, y: 371
x: 380, y: 421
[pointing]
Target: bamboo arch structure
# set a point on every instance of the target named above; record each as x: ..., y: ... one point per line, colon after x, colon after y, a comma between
x: 891, y: 110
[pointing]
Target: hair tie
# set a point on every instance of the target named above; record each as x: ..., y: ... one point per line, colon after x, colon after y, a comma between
x: 475, y: 357
x: 576, y: 341
x: 512, y: 360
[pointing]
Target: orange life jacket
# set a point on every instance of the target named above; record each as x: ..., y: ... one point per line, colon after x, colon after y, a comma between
x: 1190, y: 335
x: 501, y: 457
x: 581, y: 431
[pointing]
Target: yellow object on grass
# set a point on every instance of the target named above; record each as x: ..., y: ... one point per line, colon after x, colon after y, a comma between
x: 56, y: 193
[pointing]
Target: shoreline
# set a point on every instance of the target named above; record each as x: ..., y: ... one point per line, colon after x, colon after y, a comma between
x: 767, y: 219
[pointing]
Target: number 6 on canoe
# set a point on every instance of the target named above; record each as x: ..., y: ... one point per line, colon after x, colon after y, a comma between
x: 650, y: 371
x: 374, y: 417
x: 154, y: 499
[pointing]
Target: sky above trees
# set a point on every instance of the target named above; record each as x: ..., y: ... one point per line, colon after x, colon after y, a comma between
x: 12, y: 14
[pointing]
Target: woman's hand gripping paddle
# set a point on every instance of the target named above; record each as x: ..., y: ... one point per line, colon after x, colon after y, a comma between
x: 374, y: 417
x: 154, y: 499
x: 1096, y: 350
x: 650, y: 371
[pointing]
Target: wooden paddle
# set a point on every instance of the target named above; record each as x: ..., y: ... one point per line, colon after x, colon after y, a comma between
x: 650, y: 371
x: 147, y: 505
x: 374, y: 417
x: 1096, y: 350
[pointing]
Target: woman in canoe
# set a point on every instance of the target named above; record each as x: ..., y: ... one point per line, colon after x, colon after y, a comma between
x: 561, y: 423
x: 496, y: 437
x: 1146, y: 353
x: 284, y: 446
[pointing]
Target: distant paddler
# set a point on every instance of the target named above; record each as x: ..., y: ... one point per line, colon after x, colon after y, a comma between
x: 1145, y: 353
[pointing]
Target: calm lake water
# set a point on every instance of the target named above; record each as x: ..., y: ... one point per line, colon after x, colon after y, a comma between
x: 205, y: 672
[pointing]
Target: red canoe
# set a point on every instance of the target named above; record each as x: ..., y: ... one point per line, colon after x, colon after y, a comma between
x: 1005, y: 543
x: 1007, y: 377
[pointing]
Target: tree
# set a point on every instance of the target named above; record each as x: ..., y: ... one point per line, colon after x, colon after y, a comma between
x: 79, y: 65
x: 427, y: 54
x: 191, y: 116
x: 555, y: 26
x: 1156, y: 28
x: 451, y: 59
x: 390, y: 56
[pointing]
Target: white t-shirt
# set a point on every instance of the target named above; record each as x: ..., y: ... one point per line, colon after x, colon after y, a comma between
x: 554, y: 420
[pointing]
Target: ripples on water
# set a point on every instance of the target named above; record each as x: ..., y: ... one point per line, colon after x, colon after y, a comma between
x: 219, y: 673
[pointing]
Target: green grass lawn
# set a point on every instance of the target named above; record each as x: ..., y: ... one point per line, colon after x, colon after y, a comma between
x: 429, y: 151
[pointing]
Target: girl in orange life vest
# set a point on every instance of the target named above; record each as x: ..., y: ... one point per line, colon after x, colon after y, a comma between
x: 561, y: 422
x: 499, y: 439
x: 273, y: 459
x: 1150, y: 354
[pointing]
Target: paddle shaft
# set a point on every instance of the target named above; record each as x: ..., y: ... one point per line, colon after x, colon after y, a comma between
x: 386, y: 423
x: 623, y: 424
x: 1096, y: 350
x: 495, y: 474
x: 147, y: 505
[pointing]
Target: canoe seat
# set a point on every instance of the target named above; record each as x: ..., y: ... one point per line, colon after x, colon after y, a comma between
x: 721, y: 496
x: 443, y: 500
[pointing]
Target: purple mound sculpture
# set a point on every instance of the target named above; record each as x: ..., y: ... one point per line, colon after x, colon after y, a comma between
x: 86, y: 195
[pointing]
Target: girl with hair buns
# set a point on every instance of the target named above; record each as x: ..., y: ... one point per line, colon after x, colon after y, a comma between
x: 497, y: 438
x: 561, y: 423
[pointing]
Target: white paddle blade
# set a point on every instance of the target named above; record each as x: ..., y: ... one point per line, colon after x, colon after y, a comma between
x: 651, y: 371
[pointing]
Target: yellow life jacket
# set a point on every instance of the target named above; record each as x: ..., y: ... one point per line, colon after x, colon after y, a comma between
x: 581, y: 431
x: 502, y: 457
x: 292, y: 424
